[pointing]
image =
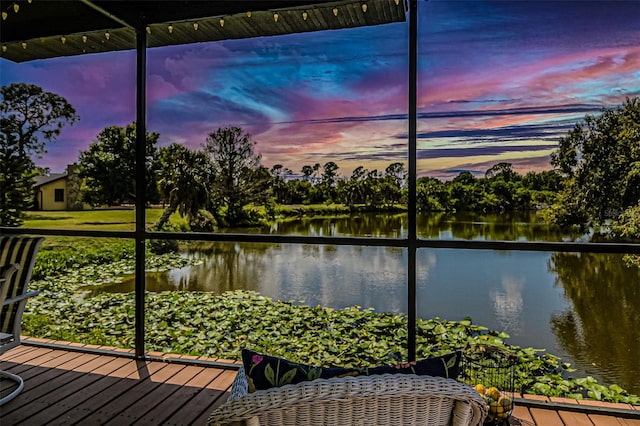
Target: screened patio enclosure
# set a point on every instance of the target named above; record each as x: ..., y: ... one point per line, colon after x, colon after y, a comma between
x: 53, y: 29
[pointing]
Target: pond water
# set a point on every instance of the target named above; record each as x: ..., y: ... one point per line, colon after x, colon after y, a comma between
x: 584, y: 308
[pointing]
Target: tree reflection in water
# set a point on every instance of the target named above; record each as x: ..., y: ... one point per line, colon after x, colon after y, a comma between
x: 527, y: 294
x: 604, y: 325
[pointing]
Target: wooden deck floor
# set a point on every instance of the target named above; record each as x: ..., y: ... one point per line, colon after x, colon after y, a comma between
x: 65, y: 387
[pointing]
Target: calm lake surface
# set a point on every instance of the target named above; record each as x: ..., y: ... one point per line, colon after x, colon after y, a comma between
x: 584, y: 308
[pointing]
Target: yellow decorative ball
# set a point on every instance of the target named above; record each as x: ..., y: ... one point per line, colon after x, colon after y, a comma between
x: 506, y: 403
x: 495, y: 408
x: 493, y: 393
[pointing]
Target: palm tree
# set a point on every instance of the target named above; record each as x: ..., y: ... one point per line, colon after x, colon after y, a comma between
x: 184, y: 180
x: 307, y: 171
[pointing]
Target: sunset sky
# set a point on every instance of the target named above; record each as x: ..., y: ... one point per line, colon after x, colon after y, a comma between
x: 498, y: 81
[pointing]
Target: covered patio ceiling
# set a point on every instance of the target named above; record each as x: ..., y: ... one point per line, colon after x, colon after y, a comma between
x: 39, y: 29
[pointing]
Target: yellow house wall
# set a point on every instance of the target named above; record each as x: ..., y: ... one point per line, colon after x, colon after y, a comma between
x: 46, y: 195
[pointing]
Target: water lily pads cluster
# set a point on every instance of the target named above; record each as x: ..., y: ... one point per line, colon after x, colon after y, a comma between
x: 206, y: 324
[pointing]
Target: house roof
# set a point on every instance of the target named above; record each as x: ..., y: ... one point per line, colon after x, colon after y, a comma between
x: 43, y: 180
x: 46, y: 29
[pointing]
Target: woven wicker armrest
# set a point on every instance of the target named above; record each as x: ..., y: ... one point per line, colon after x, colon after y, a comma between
x: 387, y: 399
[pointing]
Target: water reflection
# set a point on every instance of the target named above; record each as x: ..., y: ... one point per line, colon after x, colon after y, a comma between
x: 327, y: 275
x: 520, y: 226
x: 508, y: 305
x: 360, y: 225
x: 602, y: 331
x: 584, y: 308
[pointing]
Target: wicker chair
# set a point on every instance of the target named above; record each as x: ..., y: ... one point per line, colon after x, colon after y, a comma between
x: 387, y: 399
x: 17, y: 256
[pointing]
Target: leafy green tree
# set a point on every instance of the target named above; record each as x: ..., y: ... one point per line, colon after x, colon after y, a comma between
x: 432, y: 195
x: 601, y: 160
x: 108, y: 167
x: 502, y: 171
x: 279, y: 186
x: 499, y: 183
x: 29, y: 118
x: 627, y: 227
x: 329, y: 177
x: 397, y: 173
x: 543, y: 187
x: 236, y: 183
x: 307, y: 171
x: 395, y: 180
x: 547, y: 180
x: 464, y: 192
x: 184, y: 181
x: 351, y: 191
x: 261, y: 191
x: 316, y: 170
x: 298, y: 191
x: 329, y: 173
x: 372, y: 188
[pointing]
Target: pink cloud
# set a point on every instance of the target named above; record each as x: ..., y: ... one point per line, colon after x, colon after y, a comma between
x: 159, y: 88
x: 535, y: 82
x: 178, y: 70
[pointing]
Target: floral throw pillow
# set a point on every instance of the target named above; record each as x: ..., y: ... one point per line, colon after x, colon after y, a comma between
x: 264, y: 371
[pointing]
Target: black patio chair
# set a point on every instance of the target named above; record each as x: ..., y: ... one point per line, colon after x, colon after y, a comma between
x: 17, y: 257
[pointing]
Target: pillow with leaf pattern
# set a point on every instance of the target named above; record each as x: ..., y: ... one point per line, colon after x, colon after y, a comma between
x: 264, y: 371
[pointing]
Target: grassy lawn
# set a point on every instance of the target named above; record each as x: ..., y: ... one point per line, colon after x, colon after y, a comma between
x: 59, y: 254
x: 103, y: 220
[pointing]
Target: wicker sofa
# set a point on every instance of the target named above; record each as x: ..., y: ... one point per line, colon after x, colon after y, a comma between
x: 387, y: 399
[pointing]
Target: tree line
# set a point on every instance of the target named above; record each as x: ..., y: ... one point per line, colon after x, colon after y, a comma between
x: 595, y: 177
x: 225, y: 176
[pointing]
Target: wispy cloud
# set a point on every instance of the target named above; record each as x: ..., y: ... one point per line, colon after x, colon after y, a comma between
x: 498, y: 81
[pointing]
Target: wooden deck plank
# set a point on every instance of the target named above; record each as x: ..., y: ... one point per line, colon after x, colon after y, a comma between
x: 48, y: 381
x: 123, y: 367
x: 180, y: 397
x: 54, y: 358
x: 197, y: 409
x: 199, y: 406
x: 600, y: 420
x: 76, y: 392
x: 37, y: 339
x: 17, y: 351
x: 66, y: 388
x: 563, y: 400
x: 536, y: 397
x: 522, y: 414
x: 67, y: 384
x: 546, y: 417
x: 629, y: 422
x: 30, y: 372
x: 156, y: 397
x: 11, y: 367
x: 224, y: 382
x: 82, y: 403
x: 606, y: 404
x: 104, y: 406
x: 178, y: 408
x: 24, y: 358
x: 575, y: 419
x: 28, y: 369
